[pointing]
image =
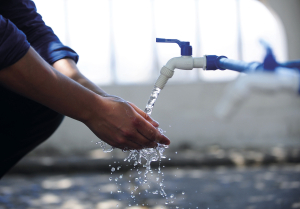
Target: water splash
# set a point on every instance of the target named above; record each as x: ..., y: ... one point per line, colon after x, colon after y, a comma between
x: 150, y: 154
x: 103, y: 146
x: 147, y: 155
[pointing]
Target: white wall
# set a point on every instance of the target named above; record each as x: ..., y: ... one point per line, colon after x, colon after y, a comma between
x: 289, y: 14
x: 185, y: 111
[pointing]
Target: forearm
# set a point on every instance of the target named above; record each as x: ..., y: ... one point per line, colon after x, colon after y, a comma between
x: 32, y: 77
x: 112, y: 119
x: 69, y: 68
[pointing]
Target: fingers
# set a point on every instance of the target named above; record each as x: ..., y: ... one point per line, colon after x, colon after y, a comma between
x: 144, y: 115
x: 150, y: 132
x: 125, y: 140
x: 134, y: 140
x: 129, y: 129
x: 147, y: 127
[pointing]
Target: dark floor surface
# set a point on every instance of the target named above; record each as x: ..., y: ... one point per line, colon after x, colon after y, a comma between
x: 264, y: 187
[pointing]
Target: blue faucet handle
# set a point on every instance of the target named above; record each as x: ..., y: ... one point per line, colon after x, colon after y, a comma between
x: 164, y: 40
x: 270, y: 62
x: 186, y: 49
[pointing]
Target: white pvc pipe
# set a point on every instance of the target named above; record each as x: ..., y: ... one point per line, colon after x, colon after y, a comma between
x: 182, y: 63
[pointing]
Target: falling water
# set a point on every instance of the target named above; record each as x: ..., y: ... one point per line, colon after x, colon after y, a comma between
x: 153, y: 97
x: 148, y: 154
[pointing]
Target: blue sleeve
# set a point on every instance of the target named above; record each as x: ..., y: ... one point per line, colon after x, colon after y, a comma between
x: 24, y: 15
x: 13, y: 43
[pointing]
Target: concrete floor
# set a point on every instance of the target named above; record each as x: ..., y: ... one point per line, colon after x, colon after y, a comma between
x: 273, y: 186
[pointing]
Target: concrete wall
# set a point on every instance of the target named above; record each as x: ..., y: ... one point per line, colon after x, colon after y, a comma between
x: 289, y: 14
x: 186, y: 112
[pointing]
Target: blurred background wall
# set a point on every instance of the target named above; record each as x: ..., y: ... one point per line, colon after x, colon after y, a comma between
x: 185, y: 108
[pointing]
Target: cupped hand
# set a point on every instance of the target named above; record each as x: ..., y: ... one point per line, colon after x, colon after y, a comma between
x: 123, y: 125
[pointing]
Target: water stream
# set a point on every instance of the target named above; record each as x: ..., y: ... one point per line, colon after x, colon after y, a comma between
x: 146, y: 156
x: 153, y: 97
x: 150, y: 154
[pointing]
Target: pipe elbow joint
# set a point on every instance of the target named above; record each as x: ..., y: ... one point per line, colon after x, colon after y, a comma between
x: 183, y: 63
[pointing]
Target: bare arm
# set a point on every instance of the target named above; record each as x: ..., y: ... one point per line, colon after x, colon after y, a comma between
x: 112, y: 119
x: 69, y: 68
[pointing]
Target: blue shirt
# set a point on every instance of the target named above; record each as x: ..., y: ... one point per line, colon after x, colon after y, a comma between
x: 21, y: 27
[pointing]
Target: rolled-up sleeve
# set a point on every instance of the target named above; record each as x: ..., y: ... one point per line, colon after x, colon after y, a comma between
x: 13, y: 43
x: 24, y: 15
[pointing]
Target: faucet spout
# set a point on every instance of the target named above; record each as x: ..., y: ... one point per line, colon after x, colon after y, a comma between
x: 182, y: 63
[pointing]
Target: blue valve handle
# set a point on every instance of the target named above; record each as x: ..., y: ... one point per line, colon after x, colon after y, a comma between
x: 186, y: 49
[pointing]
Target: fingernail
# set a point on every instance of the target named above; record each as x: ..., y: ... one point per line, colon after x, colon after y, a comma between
x: 155, y: 123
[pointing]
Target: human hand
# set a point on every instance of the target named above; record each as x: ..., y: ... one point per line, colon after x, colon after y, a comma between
x: 123, y: 125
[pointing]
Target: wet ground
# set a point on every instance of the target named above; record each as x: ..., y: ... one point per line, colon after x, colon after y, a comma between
x: 272, y: 186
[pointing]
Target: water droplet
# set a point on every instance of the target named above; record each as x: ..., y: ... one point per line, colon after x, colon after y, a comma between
x: 113, y: 169
x: 119, y: 191
x: 110, y: 178
x: 121, y: 176
x: 169, y: 158
x: 118, y: 168
x: 136, y: 179
x: 155, y: 192
x: 183, y: 193
x: 172, y: 196
x: 176, y: 153
x: 132, y: 196
x: 116, y: 179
